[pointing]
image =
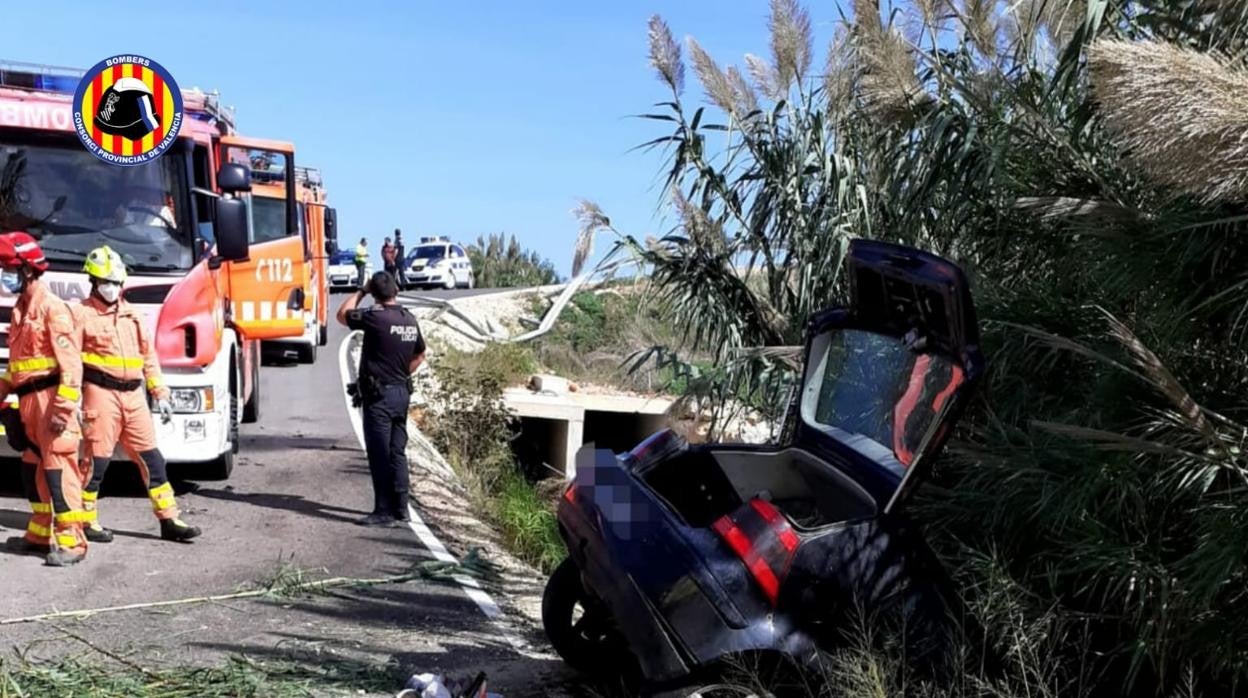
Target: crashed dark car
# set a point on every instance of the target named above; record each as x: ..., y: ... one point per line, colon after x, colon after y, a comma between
x: 682, y: 557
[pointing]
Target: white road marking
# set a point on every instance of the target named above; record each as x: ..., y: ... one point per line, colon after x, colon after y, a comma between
x: 423, y: 533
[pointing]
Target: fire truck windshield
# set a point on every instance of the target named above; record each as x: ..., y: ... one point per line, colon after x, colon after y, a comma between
x: 73, y: 202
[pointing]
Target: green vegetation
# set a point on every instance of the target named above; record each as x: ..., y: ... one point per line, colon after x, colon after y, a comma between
x: 472, y: 430
x: 527, y: 521
x: 498, y: 261
x: 601, y: 334
x: 240, y: 677
x: 1088, y: 168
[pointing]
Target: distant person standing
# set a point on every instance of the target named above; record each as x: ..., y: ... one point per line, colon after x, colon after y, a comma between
x: 361, y: 261
x: 393, y: 348
x: 387, y: 257
x: 400, y: 256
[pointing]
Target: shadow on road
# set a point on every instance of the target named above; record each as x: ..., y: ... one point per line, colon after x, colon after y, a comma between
x: 285, y: 502
x: 290, y: 442
x: 11, y: 518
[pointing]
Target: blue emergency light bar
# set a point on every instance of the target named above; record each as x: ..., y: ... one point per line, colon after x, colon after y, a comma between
x: 44, y: 78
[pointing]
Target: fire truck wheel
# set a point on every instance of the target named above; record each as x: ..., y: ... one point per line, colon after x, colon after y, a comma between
x: 307, y: 353
x: 251, y: 409
x: 221, y: 468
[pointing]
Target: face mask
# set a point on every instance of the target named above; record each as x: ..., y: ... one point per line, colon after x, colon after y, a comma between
x: 12, y: 281
x: 109, y: 292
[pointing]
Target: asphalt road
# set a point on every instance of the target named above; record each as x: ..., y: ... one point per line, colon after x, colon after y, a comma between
x: 300, y: 481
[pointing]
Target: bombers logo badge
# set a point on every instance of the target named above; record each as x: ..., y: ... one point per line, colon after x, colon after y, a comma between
x: 127, y: 110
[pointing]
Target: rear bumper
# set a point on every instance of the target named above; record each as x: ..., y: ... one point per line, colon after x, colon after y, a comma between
x: 682, y: 600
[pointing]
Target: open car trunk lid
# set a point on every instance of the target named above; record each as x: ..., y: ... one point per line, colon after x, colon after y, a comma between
x: 887, y: 377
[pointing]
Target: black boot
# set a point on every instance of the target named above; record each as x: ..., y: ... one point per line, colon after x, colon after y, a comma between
x: 376, y: 519
x: 98, y: 534
x: 177, y: 530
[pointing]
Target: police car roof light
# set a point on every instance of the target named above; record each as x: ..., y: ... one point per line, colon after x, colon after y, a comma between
x: 39, y: 77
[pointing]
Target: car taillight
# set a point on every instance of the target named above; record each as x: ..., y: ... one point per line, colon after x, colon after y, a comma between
x: 764, y: 540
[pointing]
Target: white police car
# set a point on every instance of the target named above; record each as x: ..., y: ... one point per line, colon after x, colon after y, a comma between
x: 342, y: 272
x: 437, y: 263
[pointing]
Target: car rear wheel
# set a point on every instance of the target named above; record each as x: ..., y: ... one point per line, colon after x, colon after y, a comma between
x: 579, y: 626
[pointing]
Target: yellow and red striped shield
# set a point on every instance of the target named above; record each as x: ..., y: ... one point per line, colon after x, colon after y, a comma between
x: 165, y: 105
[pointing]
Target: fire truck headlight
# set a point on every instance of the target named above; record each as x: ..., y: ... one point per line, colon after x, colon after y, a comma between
x: 191, y: 400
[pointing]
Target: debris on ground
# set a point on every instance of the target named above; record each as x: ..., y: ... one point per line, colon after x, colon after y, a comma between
x: 438, y: 686
x: 472, y: 565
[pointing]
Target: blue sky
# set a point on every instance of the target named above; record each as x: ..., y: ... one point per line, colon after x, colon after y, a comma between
x: 437, y: 118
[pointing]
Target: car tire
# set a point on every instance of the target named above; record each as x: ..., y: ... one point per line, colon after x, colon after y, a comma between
x: 450, y: 282
x: 582, y: 644
x: 471, y: 282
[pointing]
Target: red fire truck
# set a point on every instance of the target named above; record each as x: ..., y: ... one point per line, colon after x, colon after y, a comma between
x: 183, y: 223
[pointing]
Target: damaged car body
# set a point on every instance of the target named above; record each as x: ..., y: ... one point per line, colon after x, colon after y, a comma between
x: 682, y: 557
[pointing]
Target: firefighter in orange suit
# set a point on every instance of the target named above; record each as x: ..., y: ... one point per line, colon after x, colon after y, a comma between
x: 118, y: 360
x: 45, y: 370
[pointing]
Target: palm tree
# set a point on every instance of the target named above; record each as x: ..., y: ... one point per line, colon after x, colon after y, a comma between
x: 498, y: 261
x: 1087, y: 163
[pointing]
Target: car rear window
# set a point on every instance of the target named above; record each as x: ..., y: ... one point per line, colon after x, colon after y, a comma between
x: 874, y: 386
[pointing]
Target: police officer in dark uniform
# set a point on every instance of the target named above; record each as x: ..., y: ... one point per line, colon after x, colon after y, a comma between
x: 393, y: 348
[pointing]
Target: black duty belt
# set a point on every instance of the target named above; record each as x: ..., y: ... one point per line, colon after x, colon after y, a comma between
x: 34, y: 386
x: 95, y: 376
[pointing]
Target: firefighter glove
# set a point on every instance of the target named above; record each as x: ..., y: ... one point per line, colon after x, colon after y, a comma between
x: 165, y: 408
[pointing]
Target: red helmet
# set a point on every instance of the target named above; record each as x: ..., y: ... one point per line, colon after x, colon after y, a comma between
x: 19, y: 248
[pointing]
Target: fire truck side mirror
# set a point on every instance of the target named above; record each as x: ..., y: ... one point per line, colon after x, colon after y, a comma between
x: 234, y: 178
x: 331, y: 224
x: 231, y: 229
x: 331, y: 231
